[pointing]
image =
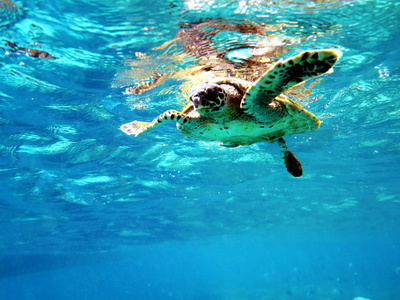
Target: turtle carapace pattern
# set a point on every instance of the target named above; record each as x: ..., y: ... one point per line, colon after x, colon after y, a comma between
x: 238, y: 112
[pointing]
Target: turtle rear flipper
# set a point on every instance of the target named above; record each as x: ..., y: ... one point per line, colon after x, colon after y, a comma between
x: 283, y: 75
x: 137, y: 127
x: 292, y: 164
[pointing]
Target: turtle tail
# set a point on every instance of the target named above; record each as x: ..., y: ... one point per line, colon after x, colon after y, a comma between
x: 292, y: 164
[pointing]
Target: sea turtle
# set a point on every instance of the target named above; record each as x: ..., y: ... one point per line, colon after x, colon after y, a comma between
x: 237, y: 112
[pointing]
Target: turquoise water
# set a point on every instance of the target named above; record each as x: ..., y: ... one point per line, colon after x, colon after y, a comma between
x: 90, y: 213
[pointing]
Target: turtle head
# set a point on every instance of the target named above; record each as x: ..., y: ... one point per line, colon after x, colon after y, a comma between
x: 208, y: 99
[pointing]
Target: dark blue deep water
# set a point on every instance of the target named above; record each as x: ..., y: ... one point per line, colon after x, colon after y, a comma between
x: 87, y: 212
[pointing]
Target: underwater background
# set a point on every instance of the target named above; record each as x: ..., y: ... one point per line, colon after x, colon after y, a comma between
x: 88, y: 212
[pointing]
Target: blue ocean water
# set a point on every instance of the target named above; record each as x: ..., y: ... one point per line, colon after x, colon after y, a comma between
x: 90, y: 213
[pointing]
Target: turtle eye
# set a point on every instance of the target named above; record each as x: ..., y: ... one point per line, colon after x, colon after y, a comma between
x: 215, y: 92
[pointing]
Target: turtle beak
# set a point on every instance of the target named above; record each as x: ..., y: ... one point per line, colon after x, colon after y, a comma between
x: 199, y: 103
x: 196, y: 100
x: 199, y: 100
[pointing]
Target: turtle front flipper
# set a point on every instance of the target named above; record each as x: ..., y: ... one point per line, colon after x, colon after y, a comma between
x: 137, y: 127
x: 292, y: 164
x: 283, y: 75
